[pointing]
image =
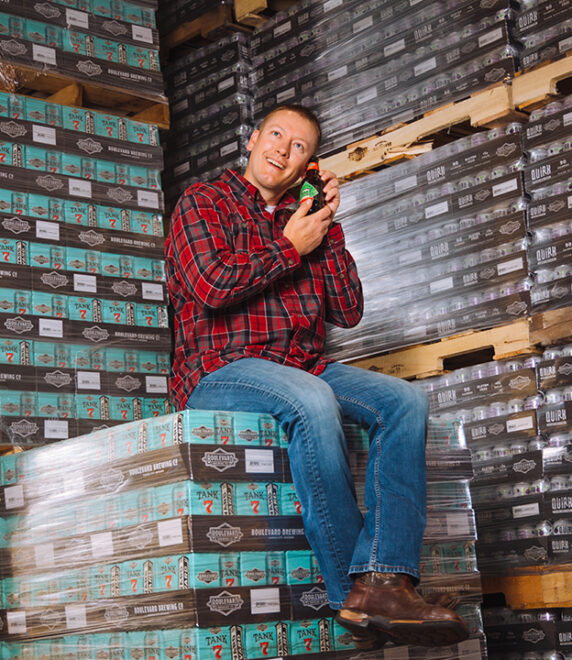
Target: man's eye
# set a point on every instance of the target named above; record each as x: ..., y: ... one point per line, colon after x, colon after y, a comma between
x: 299, y: 146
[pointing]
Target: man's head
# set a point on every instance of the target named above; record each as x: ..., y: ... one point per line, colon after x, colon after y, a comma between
x: 280, y: 149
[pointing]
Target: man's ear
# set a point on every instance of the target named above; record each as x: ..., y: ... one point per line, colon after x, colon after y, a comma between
x: 252, y: 140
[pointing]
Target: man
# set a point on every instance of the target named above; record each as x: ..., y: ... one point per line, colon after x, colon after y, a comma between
x: 253, y: 283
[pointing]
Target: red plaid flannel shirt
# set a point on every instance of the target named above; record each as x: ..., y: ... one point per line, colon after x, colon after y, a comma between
x: 239, y: 288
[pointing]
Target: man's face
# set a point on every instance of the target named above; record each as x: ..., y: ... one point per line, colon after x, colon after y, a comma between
x: 279, y: 151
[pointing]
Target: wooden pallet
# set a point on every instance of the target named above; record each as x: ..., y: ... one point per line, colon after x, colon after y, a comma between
x: 503, y: 102
x: 63, y: 89
x: 533, y: 587
x: 424, y: 360
x: 525, y: 336
x: 251, y: 12
x: 198, y: 27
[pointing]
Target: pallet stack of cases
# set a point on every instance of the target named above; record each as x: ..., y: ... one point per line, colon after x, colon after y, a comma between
x: 181, y: 537
x: 211, y: 100
x: 84, y: 337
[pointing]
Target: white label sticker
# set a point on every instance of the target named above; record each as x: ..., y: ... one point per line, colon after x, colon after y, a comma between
x: 76, y: 616
x: 510, y: 266
x: 101, y: 545
x: 525, y: 510
x: 44, y: 134
x: 567, y: 119
x: 490, y: 37
x: 88, y: 380
x: 148, y: 199
x: 14, y: 497
x: 152, y: 291
x: 56, y: 429
x: 85, y: 283
x: 77, y: 18
x: 285, y: 95
x: 423, y: 67
x: 141, y: 33
x: 436, y: 209
x: 259, y: 460
x: 458, y: 524
x: 51, y: 328
x: 367, y: 95
x: 340, y: 72
x: 44, y: 555
x: 521, y: 424
x: 182, y: 168
x: 156, y: 385
x: 44, y: 54
x: 332, y: 4
x: 363, y: 24
x: 225, y: 84
x: 229, y: 149
x: 181, y: 105
x: 441, y: 285
x: 16, y: 622
x: 282, y: 29
x: 264, y: 601
x: 80, y: 187
x: 565, y: 44
x: 394, y: 48
x: 506, y: 186
x: 170, y: 532
x: 48, y: 230
x: 410, y: 257
x: 405, y: 184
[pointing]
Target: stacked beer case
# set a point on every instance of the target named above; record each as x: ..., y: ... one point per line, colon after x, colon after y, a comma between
x: 181, y: 537
x: 111, y: 44
x: 516, y: 419
x: 211, y: 113
x: 453, y: 221
x: 84, y: 340
x: 334, y: 57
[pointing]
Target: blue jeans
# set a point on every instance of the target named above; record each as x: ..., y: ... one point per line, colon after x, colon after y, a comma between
x: 310, y: 409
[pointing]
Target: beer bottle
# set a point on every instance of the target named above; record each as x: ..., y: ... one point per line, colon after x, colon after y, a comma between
x: 313, y: 186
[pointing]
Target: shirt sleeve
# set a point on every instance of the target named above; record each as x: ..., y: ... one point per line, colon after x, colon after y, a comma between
x: 344, y: 295
x: 198, y: 250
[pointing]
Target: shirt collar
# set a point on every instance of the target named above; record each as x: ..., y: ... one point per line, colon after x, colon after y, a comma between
x: 242, y: 187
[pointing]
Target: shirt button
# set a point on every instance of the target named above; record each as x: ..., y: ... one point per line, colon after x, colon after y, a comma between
x: 290, y: 261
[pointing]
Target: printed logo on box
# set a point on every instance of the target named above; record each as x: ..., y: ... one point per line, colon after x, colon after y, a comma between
x: 57, y: 378
x: 91, y: 238
x: 50, y: 182
x: 18, y: 325
x: 207, y: 576
x: 225, y: 535
x: 219, y: 459
x: 534, y: 635
x: 116, y: 614
x: 111, y: 479
x: 202, y: 432
x: 47, y: 10
x: 13, y: 129
x: 54, y: 279
x: 124, y: 288
x: 524, y: 466
x: 517, y: 308
x: 128, y: 383
x: 13, y: 47
x: 89, y: 68
x: 119, y: 195
x: 24, y: 428
x: 114, y: 28
x: 51, y: 619
x: 95, y: 334
x: 509, y: 227
x: 249, y: 435
x: 225, y: 603
x: 316, y: 598
x: 519, y: 383
x: 90, y: 146
x: 140, y: 538
x: 16, y: 225
x: 535, y: 553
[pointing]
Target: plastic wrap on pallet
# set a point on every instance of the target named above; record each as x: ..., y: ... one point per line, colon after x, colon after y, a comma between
x: 454, y: 222
x: 547, y: 139
x: 185, y: 520
x: 544, y: 30
x: 343, y: 64
x: 532, y: 634
x: 70, y: 47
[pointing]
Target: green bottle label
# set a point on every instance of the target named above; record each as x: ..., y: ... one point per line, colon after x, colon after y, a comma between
x: 307, y: 191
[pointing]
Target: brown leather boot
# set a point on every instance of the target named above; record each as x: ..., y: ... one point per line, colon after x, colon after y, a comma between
x: 384, y: 606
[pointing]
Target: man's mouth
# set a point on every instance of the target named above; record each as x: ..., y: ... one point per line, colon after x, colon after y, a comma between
x: 275, y: 163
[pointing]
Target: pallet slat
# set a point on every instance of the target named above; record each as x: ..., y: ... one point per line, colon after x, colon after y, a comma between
x: 544, y: 587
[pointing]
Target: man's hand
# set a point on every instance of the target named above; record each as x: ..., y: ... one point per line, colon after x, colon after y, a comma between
x: 307, y: 231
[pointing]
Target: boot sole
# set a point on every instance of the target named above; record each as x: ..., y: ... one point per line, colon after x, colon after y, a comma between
x: 414, y: 633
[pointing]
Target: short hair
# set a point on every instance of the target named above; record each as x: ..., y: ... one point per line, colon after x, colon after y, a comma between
x: 301, y: 110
